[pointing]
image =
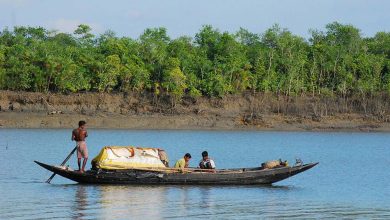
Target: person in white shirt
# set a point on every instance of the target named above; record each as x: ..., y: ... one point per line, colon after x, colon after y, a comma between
x: 206, y: 162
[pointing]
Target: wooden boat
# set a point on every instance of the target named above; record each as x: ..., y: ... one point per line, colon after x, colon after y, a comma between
x: 190, y: 176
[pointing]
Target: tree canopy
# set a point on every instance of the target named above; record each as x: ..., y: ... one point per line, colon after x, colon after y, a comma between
x: 337, y: 60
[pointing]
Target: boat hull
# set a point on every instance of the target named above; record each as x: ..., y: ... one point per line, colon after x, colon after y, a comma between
x: 244, y: 176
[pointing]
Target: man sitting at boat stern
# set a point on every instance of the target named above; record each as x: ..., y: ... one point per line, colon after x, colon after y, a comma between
x: 206, y: 162
x: 79, y: 135
x: 183, y: 162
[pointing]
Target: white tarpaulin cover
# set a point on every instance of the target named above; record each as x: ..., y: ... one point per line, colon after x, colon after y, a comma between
x: 118, y: 157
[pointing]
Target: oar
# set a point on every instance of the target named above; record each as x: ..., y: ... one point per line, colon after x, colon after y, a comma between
x: 63, y: 163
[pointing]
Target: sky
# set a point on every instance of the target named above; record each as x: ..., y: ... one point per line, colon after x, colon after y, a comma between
x: 186, y: 17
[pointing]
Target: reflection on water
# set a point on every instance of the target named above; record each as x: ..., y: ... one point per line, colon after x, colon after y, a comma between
x: 81, y: 202
x: 124, y: 201
x: 347, y: 184
x: 157, y: 202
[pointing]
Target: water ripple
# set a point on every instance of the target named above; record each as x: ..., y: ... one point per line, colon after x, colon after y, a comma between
x: 340, y: 187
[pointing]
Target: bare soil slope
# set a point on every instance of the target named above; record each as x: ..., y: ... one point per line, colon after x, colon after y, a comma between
x: 144, y: 111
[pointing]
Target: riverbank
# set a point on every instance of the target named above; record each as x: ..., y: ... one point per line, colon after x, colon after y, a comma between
x: 236, y: 112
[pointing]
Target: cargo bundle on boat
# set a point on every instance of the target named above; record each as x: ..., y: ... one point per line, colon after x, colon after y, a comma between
x: 117, y: 157
x: 136, y: 165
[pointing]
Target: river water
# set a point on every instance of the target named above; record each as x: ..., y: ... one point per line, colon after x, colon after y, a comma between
x: 352, y: 180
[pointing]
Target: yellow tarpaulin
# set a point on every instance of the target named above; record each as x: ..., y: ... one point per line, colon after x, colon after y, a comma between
x: 127, y: 157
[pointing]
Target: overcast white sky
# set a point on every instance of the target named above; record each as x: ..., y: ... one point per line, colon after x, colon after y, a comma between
x: 185, y: 17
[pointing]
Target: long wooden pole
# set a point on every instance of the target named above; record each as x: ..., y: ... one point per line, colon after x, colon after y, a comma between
x: 174, y: 170
x: 62, y: 164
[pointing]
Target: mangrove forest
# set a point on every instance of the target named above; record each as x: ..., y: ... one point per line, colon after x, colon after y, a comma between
x: 337, y: 60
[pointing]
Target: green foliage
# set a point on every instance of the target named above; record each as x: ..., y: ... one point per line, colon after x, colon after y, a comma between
x: 174, y: 80
x: 134, y: 76
x: 108, y: 72
x: 83, y: 31
x: 2, y: 70
x: 335, y: 61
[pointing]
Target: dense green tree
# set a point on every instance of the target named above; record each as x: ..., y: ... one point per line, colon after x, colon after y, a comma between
x: 183, y: 49
x: 83, y: 32
x: 153, y: 51
x: 335, y: 61
x: 2, y: 69
x: 134, y: 76
x: 174, y: 80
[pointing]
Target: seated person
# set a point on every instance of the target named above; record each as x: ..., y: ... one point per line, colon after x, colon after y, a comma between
x: 206, y: 162
x: 183, y: 162
x: 163, y: 157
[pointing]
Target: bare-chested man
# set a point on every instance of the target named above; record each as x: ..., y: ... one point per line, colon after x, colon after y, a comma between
x: 79, y: 134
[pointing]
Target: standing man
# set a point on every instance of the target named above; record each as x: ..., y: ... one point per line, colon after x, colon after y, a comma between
x: 183, y: 162
x: 79, y: 134
x: 206, y: 162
